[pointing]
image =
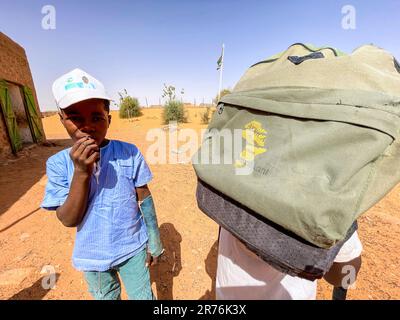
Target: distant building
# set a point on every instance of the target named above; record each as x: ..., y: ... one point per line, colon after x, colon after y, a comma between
x: 20, y: 117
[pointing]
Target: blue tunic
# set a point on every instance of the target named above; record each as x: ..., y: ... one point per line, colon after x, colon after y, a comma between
x: 113, y: 228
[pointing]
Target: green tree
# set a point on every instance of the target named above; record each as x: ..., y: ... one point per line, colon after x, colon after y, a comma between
x: 173, y: 109
x: 129, y: 106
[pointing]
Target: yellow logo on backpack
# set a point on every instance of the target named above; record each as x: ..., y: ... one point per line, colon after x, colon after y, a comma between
x: 255, y: 143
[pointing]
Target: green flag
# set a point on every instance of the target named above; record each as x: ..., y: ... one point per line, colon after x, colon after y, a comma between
x: 219, y: 62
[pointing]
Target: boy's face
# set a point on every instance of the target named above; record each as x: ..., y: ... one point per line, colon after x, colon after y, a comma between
x: 86, y: 118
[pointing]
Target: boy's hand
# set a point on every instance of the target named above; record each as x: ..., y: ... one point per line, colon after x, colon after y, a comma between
x: 150, y: 260
x: 84, y: 154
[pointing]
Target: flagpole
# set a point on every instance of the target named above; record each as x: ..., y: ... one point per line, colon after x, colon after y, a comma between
x: 220, y: 72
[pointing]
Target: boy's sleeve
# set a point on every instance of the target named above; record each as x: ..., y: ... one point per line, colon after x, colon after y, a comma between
x: 57, y: 187
x: 141, y: 171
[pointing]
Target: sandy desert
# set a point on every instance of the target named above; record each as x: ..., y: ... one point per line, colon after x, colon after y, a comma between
x: 32, y: 238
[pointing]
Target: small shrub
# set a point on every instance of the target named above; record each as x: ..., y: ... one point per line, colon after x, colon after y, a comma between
x: 129, y: 107
x: 205, y: 116
x: 174, y: 111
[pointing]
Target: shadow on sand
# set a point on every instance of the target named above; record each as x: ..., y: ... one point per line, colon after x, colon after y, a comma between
x: 34, y: 292
x: 211, y: 269
x: 21, y: 174
x: 170, y: 264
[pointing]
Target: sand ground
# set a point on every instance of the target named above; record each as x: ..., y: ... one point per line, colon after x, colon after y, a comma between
x: 31, y: 238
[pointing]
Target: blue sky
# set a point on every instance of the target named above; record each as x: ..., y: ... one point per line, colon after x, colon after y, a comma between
x: 139, y: 45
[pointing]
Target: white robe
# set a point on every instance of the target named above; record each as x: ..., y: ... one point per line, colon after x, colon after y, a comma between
x: 242, y: 275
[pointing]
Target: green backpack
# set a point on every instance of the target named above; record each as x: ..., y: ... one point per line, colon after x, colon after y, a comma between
x: 324, y: 147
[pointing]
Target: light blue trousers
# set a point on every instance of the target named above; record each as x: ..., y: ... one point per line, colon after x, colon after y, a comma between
x: 134, y: 274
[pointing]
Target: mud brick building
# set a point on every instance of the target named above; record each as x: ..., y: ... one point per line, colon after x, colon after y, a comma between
x: 20, y: 117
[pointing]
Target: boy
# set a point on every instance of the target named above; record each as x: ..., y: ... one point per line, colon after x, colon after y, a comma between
x: 242, y: 275
x: 100, y: 187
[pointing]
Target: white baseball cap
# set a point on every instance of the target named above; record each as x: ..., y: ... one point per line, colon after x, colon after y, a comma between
x: 75, y: 86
